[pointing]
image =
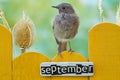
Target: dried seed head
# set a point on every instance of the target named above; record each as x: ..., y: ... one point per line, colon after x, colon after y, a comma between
x: 118, y: 15
x: 23, y: 32
x: 2, y: 17
x: 100, y: 8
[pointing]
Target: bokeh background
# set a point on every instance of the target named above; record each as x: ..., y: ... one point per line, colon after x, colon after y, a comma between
x: 42, y: 14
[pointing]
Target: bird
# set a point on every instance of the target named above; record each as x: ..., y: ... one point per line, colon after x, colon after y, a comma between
x: 65, y: 25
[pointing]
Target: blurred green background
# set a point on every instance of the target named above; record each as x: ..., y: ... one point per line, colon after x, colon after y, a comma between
x: 42, y: 14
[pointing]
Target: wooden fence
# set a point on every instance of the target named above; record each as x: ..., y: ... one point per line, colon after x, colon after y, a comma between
x: 104, y: 52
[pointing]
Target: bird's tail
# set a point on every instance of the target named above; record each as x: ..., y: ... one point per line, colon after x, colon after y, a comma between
x: 62, y: 46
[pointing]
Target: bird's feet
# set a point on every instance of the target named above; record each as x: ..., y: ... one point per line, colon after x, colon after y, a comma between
x: 59, y: 53
x: 70, y: 50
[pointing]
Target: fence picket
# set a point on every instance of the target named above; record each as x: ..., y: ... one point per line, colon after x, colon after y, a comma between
x: 104, y: 51
x: 5, y: 54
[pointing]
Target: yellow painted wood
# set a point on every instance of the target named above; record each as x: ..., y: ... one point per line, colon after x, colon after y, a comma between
x: 5, y: 53
x: 104, y: 51
x: 27, y: 66
x: 69, y: 57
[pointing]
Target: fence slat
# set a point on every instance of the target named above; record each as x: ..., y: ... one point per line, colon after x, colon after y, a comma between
x: 104, y: 51
x: 69, y: 57
x: 27, y: 66
x: 5, y: 54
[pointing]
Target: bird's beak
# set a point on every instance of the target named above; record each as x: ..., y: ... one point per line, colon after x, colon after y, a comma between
x: 55, y: 7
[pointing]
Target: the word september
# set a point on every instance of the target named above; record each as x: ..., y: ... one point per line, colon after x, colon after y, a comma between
x: 66, y: 69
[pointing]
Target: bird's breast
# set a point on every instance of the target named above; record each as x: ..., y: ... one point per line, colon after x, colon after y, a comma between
x: 64, y: 28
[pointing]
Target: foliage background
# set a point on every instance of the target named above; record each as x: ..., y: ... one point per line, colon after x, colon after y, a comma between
x: 42, y: 14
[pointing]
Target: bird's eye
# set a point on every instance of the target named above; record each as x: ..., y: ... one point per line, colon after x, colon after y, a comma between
x: 63, y: 7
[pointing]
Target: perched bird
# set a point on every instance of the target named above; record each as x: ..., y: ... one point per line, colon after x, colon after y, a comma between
x: 65, y: 25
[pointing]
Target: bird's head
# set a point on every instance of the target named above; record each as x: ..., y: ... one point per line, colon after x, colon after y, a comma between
x: 64, y: 8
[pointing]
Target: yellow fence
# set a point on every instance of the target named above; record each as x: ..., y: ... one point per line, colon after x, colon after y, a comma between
x: 104, y: 52
x: 5, y: 54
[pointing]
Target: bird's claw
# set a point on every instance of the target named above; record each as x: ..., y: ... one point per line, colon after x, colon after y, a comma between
x: 71, y: 51
x: 60, y: 55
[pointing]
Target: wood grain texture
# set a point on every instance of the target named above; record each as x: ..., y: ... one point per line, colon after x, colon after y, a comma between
x: 104, y: 51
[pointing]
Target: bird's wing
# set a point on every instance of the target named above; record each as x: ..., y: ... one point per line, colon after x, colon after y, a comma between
x: 57, y: 41
x: 55, y: 37
x: 53, y: 27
